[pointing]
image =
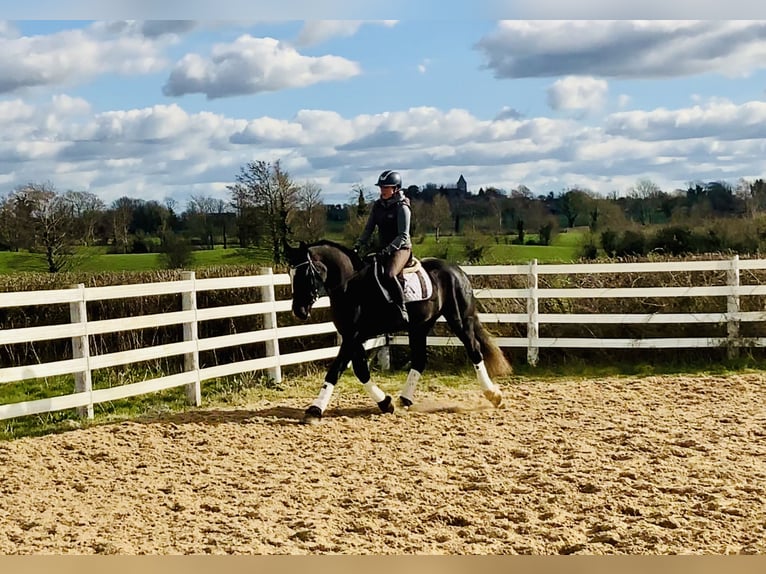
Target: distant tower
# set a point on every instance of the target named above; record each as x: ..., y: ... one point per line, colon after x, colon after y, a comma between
x: 461, y: 184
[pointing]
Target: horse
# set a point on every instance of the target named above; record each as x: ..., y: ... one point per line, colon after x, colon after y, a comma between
x: 360, y: 312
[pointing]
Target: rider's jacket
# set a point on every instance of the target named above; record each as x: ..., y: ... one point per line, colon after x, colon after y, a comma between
x: 392, y: 218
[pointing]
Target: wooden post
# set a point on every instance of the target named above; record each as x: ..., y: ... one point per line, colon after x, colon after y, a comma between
x: 533, y: 323
x: 732, y: 309
x: 270, y: 322
x: 83, y: 380
x: 191, y: 360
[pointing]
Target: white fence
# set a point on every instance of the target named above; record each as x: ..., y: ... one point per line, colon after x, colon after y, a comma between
x: 84, y: 361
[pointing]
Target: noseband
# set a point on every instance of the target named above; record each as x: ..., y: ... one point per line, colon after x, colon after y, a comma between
x: 315, y: 278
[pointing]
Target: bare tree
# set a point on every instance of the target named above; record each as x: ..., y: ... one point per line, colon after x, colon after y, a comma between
x: 11, y: 226
x: 50, y: 217
x: 122, y: 217
x: 441, y: 214
x: 267, y: 187
x: 200, y: 212
x: 647, y: 199
x: 88, y: 210
x: 752, y: 194
x: 309, y: 219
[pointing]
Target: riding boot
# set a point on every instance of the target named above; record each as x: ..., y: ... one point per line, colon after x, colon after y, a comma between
x: 397, y: 300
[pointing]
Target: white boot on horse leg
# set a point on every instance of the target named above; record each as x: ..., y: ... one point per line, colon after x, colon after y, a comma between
x: 318, y: 407
x: 491, y: 390
x: 407, y: 394
x: 384, y: 402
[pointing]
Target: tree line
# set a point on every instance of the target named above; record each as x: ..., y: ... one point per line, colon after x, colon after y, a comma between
x: 266, y: 207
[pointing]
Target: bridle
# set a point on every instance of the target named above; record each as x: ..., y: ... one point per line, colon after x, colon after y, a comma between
x: 315, y: 278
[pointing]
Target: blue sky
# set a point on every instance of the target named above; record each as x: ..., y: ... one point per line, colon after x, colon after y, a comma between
x: 170, y: 109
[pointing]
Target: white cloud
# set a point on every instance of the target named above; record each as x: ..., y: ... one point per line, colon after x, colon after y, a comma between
x: 720, y: 120
x: 251, y: 65
x: 73, y: 56
x: 317, y: 31
x: 603, y: 9
x: 624, y: 49
x: 165, y: 150
x: 577, y: 93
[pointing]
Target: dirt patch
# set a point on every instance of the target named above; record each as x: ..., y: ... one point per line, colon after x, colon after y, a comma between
x: 624, y: 466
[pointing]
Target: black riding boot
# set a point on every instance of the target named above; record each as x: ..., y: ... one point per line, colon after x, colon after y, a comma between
x: 397, y: 300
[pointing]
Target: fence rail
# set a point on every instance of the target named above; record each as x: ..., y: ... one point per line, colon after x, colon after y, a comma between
x: 85, y: 361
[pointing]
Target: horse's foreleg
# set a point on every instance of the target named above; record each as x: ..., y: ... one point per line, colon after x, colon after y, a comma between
x: 362, y: 372
x: 319, y: 405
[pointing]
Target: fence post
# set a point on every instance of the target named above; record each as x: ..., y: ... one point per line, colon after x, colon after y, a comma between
x: 83, y: 380
x: 384, y: 355
x: 532, y: 320
x: 191, y: 360
x: 270, y: 322
x: 732, y: 309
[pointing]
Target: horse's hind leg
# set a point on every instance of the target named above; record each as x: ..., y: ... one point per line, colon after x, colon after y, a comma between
x: 465, y: 328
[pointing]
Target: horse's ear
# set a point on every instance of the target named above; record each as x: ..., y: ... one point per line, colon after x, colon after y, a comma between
x: 294, y: 255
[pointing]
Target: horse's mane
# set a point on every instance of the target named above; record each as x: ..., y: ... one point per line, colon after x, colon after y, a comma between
x: 350, y: 253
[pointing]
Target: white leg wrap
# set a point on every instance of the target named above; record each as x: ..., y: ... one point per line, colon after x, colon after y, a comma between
x: 484, y: 381
x: 408, y: 391
x: 324, y: 396
x: 374, y: 391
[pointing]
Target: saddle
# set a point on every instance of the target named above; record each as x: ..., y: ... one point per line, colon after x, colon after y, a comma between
x: 414, y: 279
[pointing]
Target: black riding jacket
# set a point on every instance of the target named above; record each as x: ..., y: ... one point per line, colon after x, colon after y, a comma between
x: 392, y: 218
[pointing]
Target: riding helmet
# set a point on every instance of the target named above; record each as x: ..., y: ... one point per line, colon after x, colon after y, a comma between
x: 390, y: 177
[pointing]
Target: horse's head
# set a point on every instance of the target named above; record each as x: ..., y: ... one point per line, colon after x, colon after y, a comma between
x: 307, y: 277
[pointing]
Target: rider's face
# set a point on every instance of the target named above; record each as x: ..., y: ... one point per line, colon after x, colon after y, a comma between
x: 386, y: 191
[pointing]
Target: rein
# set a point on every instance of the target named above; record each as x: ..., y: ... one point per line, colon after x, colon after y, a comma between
x: 316, y: 278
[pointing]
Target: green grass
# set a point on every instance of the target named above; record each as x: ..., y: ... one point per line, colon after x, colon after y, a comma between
x: 22, y: 262
x: 97, y: 260
x: 564, y: 248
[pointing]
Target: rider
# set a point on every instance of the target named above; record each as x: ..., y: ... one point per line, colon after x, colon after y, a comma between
x: 391, y: 214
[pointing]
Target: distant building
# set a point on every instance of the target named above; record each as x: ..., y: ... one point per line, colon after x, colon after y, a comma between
x: 427, y: 192
x: 461, y: 184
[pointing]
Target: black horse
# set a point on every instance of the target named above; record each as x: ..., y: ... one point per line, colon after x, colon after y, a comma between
x: 360, y: 312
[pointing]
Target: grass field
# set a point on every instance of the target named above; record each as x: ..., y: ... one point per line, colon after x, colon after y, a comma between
x: 97, y: 260
x: 564, y: 248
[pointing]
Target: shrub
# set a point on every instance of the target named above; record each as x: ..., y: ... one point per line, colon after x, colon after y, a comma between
x: 176, y: 252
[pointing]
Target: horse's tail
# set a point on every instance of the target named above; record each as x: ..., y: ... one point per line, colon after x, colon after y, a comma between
x: 494, y: 359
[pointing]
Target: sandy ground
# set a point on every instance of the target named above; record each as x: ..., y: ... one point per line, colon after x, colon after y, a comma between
x: 624, y: 466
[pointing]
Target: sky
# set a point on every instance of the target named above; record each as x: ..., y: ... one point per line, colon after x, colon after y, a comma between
x: 121, y: 104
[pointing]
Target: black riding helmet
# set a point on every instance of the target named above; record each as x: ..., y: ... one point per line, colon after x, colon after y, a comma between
x: 390, y: 177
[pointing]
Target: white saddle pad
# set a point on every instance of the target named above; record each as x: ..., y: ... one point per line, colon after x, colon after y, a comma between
x: 417, y: 285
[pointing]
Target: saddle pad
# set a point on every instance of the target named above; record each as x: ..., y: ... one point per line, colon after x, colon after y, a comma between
x: 417, y: 285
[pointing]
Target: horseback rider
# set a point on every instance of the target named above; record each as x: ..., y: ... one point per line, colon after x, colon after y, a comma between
x: 391, y: 214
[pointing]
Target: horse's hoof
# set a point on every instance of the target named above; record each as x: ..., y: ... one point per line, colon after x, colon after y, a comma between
x: 405, y: 402
x: 386, y: 405
x: 312, y: 415
x: 494, y: 397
